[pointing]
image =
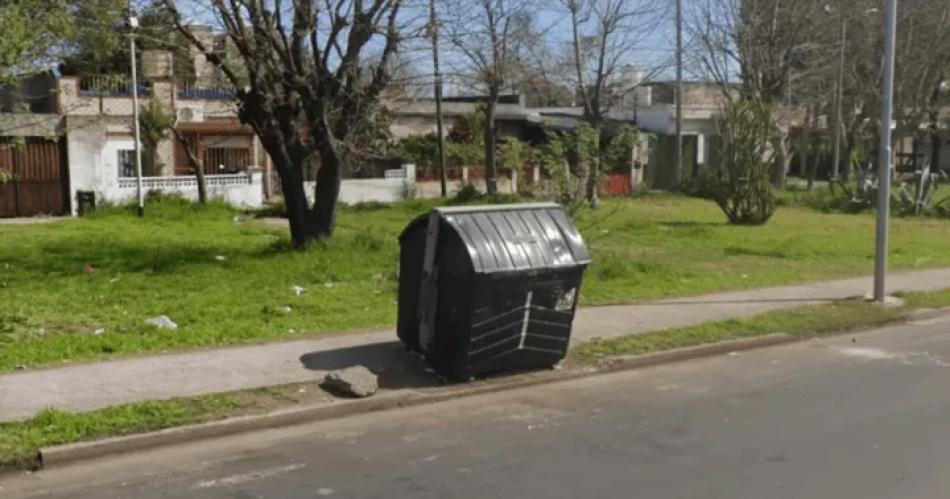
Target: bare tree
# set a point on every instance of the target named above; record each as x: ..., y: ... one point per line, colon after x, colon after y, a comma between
x: 782, y: 51
x: 317, y: 63
x: 604, y: 33
x: 482, y: 35
x: 763, y: 48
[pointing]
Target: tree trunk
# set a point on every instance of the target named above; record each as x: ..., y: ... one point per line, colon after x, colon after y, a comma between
x: 295, y: 202
x: 491, y: 184
x: 594, y: 180
x: 582, y: 172
x: 803, y: 162
x: 289, y: 159
x: 200, y: 178
x: 935, y: 145
x: 325, y: 196
x: 781, y: 161
x: 813, y: 170
x: 197, y: 165
x: 844, y: 169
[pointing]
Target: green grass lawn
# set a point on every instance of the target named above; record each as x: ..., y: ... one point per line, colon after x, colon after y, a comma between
x: 168, y: 263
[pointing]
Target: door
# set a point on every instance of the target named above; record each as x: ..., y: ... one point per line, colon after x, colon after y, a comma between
x: 7, y: 190
x: 36, y: 178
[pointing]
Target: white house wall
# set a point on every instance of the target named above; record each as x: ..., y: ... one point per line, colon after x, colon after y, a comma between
x: 84, y: 145
x: 93, y: 166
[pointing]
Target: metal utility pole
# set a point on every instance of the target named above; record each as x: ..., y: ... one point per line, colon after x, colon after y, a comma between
x: 134, y: 23
x: 884, y: 154
x: 678, y: 153
x: 839, y: 92
x: 434, y: 26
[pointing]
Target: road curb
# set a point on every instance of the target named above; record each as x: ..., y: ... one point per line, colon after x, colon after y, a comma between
x: 71, y: 453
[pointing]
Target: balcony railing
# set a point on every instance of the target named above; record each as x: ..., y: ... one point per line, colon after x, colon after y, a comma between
x: 110, y: 86
x: 195, y: 90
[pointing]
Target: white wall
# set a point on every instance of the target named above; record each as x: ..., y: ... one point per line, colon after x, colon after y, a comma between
x: 93, y: 166
x: 398, y: 185
x: 84, y: 146
x: 432, y: 189
x: 245, y: 189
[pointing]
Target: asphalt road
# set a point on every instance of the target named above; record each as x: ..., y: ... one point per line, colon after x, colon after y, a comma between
x: 864, y: 416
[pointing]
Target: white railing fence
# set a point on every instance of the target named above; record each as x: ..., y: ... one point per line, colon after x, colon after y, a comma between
x: 243, y: 189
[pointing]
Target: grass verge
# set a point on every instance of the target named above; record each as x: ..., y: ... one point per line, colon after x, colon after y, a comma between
x: 802, y: 322
x: 21, y: 441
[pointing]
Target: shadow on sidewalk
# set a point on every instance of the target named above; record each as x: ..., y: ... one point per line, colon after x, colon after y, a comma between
x: 390, y: 361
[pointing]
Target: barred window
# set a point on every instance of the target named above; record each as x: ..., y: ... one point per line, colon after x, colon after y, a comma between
x: 227, y: 159
x: 126, y: 159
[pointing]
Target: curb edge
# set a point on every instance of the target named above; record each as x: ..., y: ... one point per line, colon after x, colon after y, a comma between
x: 61, y: 455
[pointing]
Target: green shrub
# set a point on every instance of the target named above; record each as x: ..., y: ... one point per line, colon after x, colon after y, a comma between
x: 740, y: 181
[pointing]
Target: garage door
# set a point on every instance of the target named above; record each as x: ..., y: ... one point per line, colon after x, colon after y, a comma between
x: 36, y: 183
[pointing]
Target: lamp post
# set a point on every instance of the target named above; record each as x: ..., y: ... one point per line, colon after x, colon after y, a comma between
x: 134, y: 23
x: 434, y: 26
x: 884, y: 154
x: 678, y: 152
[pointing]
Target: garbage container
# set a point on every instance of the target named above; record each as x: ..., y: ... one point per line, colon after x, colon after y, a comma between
x: 484, y: 289
x: 86, y: 202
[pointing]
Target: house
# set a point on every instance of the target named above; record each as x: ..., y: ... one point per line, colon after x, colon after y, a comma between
x: 79, y: 142
x: 513, y: 118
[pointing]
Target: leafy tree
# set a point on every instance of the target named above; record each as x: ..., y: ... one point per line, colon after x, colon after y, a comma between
x: 620, y: 146
x: 154, y: 124
x: 552, y: 156
x: 99, y: 45
x: 30, y: 32
x: 562, y: 155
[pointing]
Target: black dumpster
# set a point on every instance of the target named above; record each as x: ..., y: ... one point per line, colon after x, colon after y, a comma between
x: 484, y: 289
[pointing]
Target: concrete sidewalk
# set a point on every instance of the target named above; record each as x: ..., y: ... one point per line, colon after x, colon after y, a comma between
x: 84, y: 387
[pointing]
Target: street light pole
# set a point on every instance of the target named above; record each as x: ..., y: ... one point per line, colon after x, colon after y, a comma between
x: 678, y: 153
x: 839, y: 92
x: 884, y: 154
x: 133, y: 23
x: 434, y: 26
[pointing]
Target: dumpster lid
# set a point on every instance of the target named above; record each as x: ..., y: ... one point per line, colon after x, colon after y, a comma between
x: 504, y: 238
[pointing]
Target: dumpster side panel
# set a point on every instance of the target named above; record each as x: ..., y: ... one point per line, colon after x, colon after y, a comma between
x: 412, y: 251
x: 448, y: 352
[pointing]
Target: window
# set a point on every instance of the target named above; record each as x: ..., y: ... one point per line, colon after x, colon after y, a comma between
x: 126, y: 162
x: 227, y: 159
